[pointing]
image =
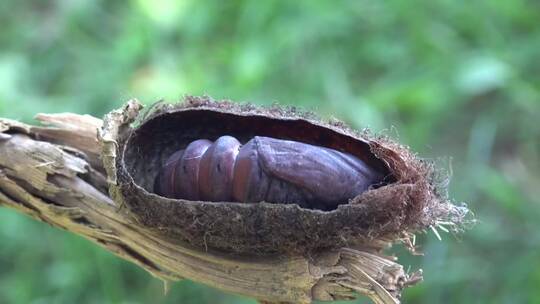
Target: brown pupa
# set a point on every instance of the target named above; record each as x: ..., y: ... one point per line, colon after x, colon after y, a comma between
x: 265, y: 170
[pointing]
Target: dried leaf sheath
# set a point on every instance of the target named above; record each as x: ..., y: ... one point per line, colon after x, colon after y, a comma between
x: 407, y: 204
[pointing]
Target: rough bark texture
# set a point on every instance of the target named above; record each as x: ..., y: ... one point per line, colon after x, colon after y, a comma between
x: 54, y: 174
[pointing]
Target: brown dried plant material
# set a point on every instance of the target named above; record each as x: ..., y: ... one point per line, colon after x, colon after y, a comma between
x: 53, y: 175
x: 408, y: 203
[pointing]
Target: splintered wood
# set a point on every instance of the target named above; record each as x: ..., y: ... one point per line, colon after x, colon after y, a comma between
x: 55, y: 174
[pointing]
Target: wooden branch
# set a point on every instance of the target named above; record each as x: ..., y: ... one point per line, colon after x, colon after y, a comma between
x: 55, y: 175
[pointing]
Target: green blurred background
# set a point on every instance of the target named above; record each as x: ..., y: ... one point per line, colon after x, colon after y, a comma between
x: 451, y: 79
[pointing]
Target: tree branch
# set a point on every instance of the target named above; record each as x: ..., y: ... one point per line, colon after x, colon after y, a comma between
x: 54, y: 174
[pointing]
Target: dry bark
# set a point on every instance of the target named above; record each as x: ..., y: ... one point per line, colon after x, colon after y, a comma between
x: 54, y: 174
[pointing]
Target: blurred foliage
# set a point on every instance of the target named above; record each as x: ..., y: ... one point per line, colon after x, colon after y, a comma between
x: 452, y: 79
